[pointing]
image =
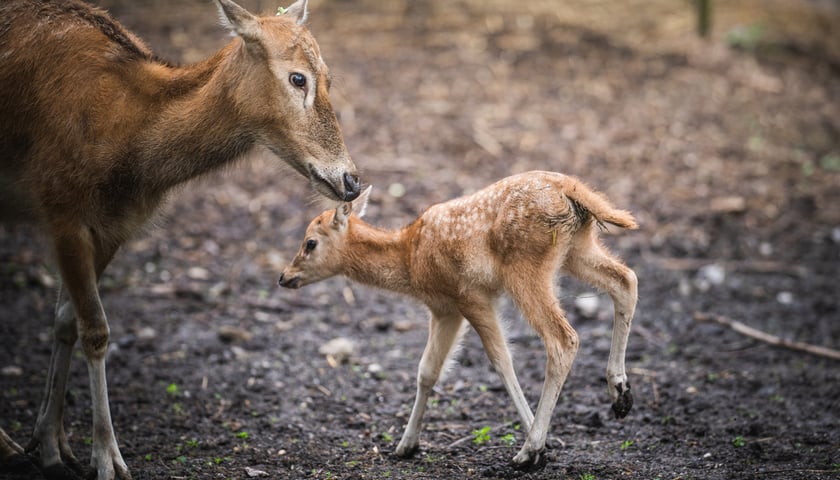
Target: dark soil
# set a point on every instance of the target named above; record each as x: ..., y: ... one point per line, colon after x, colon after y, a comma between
x: 727, y: 150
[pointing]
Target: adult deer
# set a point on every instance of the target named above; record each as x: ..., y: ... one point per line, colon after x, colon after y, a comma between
x: 459, y: 256
x: 95, y: 130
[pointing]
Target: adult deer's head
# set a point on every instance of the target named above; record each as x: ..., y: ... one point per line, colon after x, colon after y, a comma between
x: 285, y: 82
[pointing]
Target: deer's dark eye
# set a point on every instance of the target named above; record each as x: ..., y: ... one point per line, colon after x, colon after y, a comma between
x: 311, y: 244
x: 298, y: 80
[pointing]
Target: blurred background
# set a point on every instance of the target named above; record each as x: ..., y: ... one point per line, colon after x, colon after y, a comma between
x: 726, y: 146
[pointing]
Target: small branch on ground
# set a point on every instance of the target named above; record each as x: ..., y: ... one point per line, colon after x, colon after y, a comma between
x: 766, y: 337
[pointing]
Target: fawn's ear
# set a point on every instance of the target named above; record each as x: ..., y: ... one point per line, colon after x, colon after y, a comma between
x: 299, y: 11
x: 357, y: 206
x: 360, y: 203
x: 342, y: 212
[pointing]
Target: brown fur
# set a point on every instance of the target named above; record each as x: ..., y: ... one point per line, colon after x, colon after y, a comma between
x: 459, y: 256
x: 95, y: 130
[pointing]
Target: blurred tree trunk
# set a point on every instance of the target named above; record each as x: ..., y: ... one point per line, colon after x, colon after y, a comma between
x: 704, y: 17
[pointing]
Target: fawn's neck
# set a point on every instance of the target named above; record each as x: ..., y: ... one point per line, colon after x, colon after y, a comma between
x: 376, y: 257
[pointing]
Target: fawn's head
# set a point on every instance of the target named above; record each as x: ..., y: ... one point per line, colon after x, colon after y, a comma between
x: 321, y: 255
x: 285, y: 83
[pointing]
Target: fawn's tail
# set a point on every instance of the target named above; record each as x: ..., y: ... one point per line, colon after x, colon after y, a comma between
x: 587, y: 200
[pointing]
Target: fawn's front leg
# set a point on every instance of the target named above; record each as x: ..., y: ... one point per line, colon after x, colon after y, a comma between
x: 444, y: 331
x: 482, y: 316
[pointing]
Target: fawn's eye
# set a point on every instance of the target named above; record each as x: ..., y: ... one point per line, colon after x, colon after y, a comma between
x: 297, y: 79
x: 311, y: 244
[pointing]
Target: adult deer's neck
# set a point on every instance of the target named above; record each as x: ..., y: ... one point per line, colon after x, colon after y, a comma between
x: 199, y: 126
x: 376, y: 257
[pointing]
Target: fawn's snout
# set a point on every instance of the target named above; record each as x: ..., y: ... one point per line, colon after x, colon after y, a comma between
x: 289, y: 280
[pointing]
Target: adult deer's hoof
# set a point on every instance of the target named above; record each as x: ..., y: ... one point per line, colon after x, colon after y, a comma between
x: 529, y: 460
x: 622, y: 405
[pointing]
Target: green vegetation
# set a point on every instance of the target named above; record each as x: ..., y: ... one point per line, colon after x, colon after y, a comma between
x: 481, y: 436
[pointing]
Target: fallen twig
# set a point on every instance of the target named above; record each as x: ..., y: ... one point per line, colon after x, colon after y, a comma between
x: 766, y: 337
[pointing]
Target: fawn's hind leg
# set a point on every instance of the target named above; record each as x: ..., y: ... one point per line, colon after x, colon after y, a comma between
x: 589, y: 261
x: 533, y: 293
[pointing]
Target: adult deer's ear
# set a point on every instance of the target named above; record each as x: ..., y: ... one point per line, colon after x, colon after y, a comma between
x: 238, y: 20
x: 360, y: 203
x: 299, y: 11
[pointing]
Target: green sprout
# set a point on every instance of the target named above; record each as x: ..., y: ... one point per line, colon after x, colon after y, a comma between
x: 480, y: 437
x: 626, y: 444
x: 739, y: 441
x: 508, y: 439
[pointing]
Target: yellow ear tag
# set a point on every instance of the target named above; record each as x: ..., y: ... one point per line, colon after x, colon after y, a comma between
x: 554, y: 237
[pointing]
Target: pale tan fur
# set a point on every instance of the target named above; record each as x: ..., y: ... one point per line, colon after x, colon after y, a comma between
x: 95, y: 130
x: 459, y: 256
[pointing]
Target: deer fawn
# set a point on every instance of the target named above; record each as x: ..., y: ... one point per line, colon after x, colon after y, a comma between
x: 459, y: 256
x: 95, y: 130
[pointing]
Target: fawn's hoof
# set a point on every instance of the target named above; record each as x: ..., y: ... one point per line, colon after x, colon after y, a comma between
x: 622, y: 405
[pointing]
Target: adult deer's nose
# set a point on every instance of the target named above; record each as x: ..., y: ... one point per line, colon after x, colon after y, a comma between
x: 352, y: 186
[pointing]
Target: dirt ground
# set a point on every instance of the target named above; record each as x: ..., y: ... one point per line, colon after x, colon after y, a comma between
x: 726, y: 149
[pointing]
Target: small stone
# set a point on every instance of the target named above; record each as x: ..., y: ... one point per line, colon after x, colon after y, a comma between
x: 229, y: 333
x: 785, y: 298
x: 710, y: 276
x: 374, y: 368
x: 587, y: 304
x: 338, y: 349
x: 11, y: 371
x: 765, y: 249
x: 146, y: 333
x: 253, y: 472
x: 403, y: 325
x: 198, y: 273
x: 835, y: 234
x: 733, y: 204
x: 396, y: 190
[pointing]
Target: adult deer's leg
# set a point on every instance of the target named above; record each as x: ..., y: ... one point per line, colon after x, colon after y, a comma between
x: 482, y: 316
x: 8, y: 447
x: 444, y: 330
x: 81, y: 258
x: 591, y: 263
x: 49, y: 434
x: 533, y: 293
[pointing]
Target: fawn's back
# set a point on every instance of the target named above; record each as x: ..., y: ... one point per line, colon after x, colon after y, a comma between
x: 527, y: 217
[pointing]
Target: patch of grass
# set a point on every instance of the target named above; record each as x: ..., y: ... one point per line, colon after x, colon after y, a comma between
x: 738, y: 441
x: 508, y: 439
x: 746, y: 37
x: 147, y: 457
x: 192, y: 443
x: 587, y: 476
x: 172, y: 389
x: 626, y: 444
x: 243, y: 435
x: 387, y: 437
x: 481, y: 436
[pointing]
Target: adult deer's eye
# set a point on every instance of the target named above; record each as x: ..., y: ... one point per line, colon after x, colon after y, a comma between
x: 298, y: 80
x: 311, y: 244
